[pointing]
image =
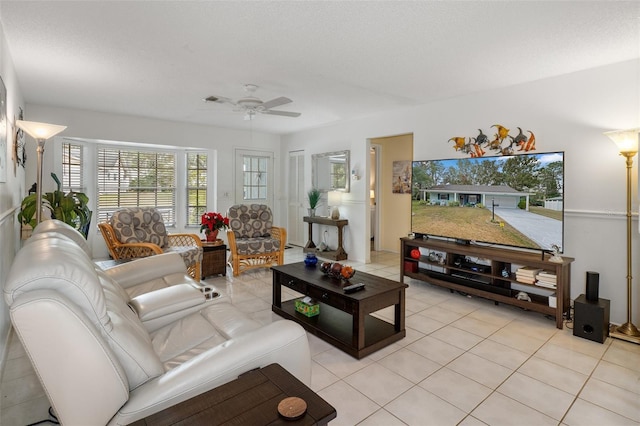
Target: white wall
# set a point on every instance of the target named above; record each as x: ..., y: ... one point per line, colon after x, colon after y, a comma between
x: 567, y: 113
x: 10, y: 191
x: 94, y: 125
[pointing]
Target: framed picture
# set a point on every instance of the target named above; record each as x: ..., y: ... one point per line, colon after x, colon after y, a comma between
x: 401, y: 177
x: 19, y: 153
x: 3, y: 132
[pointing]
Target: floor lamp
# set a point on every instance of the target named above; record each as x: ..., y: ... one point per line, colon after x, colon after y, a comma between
x: 627, y: 142
x: 40, y: 132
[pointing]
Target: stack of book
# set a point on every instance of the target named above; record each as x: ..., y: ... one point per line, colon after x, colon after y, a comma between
x: 527, y: 274
x: 546, y: 279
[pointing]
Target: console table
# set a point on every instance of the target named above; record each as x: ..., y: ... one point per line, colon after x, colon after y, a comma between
x: 337, y: 254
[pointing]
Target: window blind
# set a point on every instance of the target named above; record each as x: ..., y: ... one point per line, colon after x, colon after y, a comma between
x: 196, y: 186
x: 72, y: 176
x: 136, y: 178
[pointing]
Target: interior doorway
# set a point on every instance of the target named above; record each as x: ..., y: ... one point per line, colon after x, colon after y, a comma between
x: 374, y: 162
x: 391, y: 214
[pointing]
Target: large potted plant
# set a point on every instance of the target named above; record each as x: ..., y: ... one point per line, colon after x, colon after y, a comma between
x: 71, y: 208
x: 314, y: 199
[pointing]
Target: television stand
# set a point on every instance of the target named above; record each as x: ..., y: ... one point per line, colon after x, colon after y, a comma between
x: 492, y: 277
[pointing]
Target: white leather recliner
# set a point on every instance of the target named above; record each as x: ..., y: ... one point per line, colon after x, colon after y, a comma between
x: 99, y: 363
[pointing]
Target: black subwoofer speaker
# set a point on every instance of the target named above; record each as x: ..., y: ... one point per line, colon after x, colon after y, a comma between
x: 591, y: 319
x: 593, y: 285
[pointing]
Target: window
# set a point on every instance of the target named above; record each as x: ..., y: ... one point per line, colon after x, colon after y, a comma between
x: 196, y: 186
x: 338, y: 175
x: 130, y: 177
x: 178, y: 181
x: 72, y: 176
x: 256, y: 177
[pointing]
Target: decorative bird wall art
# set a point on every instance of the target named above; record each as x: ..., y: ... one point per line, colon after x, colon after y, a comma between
x: 502, y: 143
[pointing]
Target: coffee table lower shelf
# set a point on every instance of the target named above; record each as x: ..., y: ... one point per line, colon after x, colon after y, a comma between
x: 336, y: 327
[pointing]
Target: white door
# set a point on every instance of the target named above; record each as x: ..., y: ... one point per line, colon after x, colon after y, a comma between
x: 254, y: 177
x: 297, y: 199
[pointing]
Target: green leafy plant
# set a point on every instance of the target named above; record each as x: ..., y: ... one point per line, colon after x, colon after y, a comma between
x: 314, y: 197
x: 71, y: 208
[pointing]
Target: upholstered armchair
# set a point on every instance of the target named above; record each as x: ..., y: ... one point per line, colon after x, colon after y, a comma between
x: 253, y: 240
x: 140, y: 232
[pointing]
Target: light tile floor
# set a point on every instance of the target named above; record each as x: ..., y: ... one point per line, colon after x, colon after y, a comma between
x: 465, y: 361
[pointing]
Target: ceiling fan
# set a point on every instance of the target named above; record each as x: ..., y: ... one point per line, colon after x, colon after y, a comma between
x: 251, y: 105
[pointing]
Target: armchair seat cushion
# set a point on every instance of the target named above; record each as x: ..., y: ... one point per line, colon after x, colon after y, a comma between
x: 190, y: 254
x: 140, y: 225
x: 250, y: 220
x: 257, y: 245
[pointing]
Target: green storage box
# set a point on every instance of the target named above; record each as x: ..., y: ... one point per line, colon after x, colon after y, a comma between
x: 307, y: 307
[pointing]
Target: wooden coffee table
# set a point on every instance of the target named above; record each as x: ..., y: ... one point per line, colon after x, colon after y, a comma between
x: 344, y: 319
x: 251, y: 399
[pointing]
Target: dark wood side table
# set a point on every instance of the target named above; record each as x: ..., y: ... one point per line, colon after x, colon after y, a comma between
x: 251, y: 399
x: 337, y: 254
x: 214, y: 259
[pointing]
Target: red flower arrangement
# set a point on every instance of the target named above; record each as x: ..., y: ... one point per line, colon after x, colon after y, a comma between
x: 212, y: 221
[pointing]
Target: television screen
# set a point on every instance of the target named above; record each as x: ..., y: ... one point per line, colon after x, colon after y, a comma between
x: 511, y: 200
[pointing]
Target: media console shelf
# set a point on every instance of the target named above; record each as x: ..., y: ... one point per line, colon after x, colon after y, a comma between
x: 338, y: 253
x: 488, y: 272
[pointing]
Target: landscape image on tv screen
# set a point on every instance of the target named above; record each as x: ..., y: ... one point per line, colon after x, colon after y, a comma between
x: 514, y: 200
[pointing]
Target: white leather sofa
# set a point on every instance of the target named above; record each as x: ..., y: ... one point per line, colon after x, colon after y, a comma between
x: 100, y: 363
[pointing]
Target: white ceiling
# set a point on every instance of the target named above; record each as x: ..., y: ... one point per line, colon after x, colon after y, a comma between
x: 335, y: 60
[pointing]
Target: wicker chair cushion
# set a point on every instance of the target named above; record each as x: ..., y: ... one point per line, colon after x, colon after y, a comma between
x: 260, y: 245
x: 250, y: 220
x: 139, y: 225
x: 190, y: 254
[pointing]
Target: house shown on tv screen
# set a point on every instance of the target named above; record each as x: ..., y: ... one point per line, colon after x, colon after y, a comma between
x: 471, y: 195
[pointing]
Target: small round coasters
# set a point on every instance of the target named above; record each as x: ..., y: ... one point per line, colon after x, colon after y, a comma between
x: 292, y: 408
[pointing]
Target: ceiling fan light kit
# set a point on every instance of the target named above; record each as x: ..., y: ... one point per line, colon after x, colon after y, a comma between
x: 251, y: 105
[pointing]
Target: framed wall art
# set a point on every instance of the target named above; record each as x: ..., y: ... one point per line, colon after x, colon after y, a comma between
x: 19, y: 153
x: 401, y: 177
x: 3, y: 132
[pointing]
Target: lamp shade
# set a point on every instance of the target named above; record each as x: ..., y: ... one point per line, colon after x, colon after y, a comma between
x: 39, y: 131
x: 334, y: 198
x: 626, y: 140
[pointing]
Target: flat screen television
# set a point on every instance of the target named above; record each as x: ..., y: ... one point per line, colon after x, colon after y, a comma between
x: 510, y: 200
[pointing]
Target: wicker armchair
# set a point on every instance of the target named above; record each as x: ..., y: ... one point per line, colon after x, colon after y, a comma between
x: 253, y: 240
x: 140, y: 232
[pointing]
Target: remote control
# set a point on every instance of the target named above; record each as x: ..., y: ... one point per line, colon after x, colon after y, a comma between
x: 353, y: 288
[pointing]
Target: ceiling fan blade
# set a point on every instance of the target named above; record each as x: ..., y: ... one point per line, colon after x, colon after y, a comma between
x: 218, y: 99
x: 282, y: 113
x: 276, y: 102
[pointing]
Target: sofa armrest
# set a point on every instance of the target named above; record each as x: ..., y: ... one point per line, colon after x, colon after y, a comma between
x: 147, y: 269
x: 166, y: 301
